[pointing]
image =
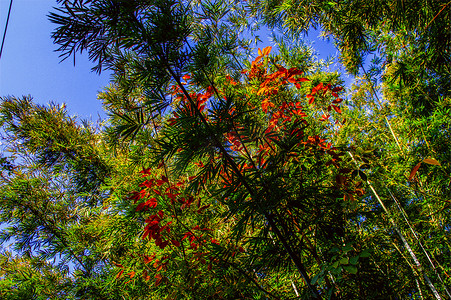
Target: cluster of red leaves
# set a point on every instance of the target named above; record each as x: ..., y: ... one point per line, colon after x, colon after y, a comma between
x: 322, y: 90
x: 159, y: 225
x: 234, y: 140
x: 286, y: 112
x: 159, y: 264
x: 230, y: 80
x: 257, y: 69
x: 154, y: 229
x: 186, y: 107
x: 272, y: 82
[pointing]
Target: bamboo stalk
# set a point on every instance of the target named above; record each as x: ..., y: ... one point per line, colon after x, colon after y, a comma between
x: 401, y: 236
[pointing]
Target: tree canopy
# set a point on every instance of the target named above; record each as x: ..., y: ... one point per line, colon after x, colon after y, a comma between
x: 228, y: 171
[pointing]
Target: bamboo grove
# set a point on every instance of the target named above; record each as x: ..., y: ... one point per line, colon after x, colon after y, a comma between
x: 229, y: 171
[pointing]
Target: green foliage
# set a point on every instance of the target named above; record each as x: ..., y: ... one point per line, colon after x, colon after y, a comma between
x: 216, y: 177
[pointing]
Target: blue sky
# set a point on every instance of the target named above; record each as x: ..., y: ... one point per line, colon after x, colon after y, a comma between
x: 29, y: 65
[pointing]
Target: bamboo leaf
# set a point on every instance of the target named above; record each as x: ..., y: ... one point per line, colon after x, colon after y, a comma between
x: 351, y: 269
x: 344, y: 261
x: 414, y: 170
x: 431, y: 161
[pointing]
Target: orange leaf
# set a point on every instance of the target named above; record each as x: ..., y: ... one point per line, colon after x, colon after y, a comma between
x: 337, y: 109
x: 117, y: 265
x: 158, y: 278
x: 148, y: 259
x: 431, y: 161
x: 145, y: 276
x: 119, y: 274
x: 414, y: 170
x: 324, y: 117
x: 260, y: 52
x: 131, y: 274
x: 267, y: 50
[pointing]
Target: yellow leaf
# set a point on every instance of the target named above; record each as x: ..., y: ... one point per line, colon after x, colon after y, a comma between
x: 260, y: 52
x: 431, y: 161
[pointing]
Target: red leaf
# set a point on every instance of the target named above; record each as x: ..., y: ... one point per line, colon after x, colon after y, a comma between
x: 145, y: 276
x: 147, y: 183
x: 158, y: 279
x: 175, y: 243
x: 152, y: 202
x: 324, y: 117
x: 200, y: 164
x: 186, y: 235
x: 141, y: 206
x: 135, y: 197
x: 145, y: 172
x: 414, y: 170
x: 172, y: 121
x: 148, y: 259
x: 318, y: 87
x: 203, y: 208
x: 337, y: 109
x: 163, y: 245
